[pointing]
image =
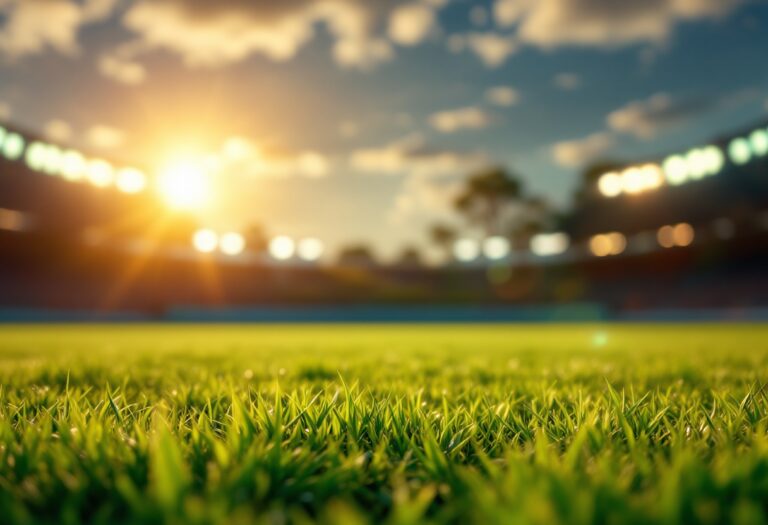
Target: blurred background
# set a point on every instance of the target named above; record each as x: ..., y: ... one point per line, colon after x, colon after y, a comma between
x: 414, y: 161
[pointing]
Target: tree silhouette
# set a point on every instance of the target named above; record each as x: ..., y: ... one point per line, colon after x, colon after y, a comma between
x: 485, y: 197
x: 443, y: 236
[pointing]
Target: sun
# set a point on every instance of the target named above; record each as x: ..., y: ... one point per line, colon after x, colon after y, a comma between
x: 185, y: 185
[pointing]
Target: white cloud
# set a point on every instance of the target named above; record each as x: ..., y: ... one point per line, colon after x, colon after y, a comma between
x: 493, y: 49
x: 579, y: 152
x: 567, y: 81
x: 31, y: 26
x: 502, y: 96
x: 58, y: 130
x: 413, y: 156
x: 646, y: 118
x: 121, y: 68
x: 241, y: 156
x: 410, y: 24
x: 5, y: 110
x: 452, y: 120
x: 217, y: 33
x: 105, y: 137
x: 551, y: 23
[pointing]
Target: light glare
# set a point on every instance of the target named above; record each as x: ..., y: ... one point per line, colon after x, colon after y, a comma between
x: 184, y: 185
x: 548, y: 244
x: 282, y: 248
x: 496, y: 247
x: 609, y: 184
x: 130, y: 180
x: 310, y: 249
x: 232, y: 243
x: 739, y: 151
x: 466, y: 250
x: 205, y: 240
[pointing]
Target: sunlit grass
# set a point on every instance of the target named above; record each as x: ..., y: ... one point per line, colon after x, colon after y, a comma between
x: 401, y: 424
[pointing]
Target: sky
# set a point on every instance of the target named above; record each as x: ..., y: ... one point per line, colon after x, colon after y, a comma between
x: 357, y: 121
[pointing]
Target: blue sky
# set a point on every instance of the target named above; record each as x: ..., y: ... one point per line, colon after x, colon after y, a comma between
x: 356, y: 121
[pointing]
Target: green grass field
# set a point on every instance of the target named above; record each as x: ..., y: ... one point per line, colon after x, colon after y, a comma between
x: 397, y: 424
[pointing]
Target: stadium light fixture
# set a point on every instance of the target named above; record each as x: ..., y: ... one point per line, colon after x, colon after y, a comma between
x: 36, y: 156
x: 549, y: 244
x: 496, y: 247
x: 759, y: 142
x: 666, y: 236
x: 466, y: 250
x: 653, y: 177
x: 282, y: 248
x: 600, y: 245
x: 100, y: 173
x: 13, y: 146
x: 205, y: 240
x: 310, y: 249
x: 632, y: 180
x: 683, y: 234
x: 714, y: 159
x: 609, y: 184
x: 131, y: 180
x: 618, y: 242
x: 73, y: 165
x: 232, y: 243
x: 698, y: 163
x: 676, y: 170
x: 739, y: 151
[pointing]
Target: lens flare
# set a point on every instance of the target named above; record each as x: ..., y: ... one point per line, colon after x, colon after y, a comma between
x: 185, y: 185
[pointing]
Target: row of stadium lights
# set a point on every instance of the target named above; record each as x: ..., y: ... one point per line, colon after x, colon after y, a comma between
x: 606, y: 244
x: 281, y: 248
x: 69, y: 164
x: 696, y: 164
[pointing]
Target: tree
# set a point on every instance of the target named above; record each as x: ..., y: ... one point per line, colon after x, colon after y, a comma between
x: 410, y: 257
x: 356, y: 255
x: 443, y: 236
x: 256, y: 238
x: 485, y: 197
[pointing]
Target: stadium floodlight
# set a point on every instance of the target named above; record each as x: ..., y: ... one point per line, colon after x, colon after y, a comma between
x: 100, y: 173
x: 232, y: 243
x: 600, y: 245
x: 549, y: 244
x: 205, y: 240
x: 609, y: 184
x: 683, y: 234
x: 131, y: 180
x: 759, y: 142
x: 466, y: 250
x: 714, y: 159
x: 310, y: 249
x: 666, y: 236
x: 618, y: 242
x: 496, y: 247
x: 739, y: 151
x: 73, y: 165
x: 632, y: 180
x: 697, y: 161
x: 653, y: 177
x: 282, y: 248
x: 36, y: 156
x: 13, y: 146
x: 676, y: 170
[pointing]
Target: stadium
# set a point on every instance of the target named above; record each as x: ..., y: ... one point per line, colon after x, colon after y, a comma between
x: 348, y: 263
x: 683, y: 234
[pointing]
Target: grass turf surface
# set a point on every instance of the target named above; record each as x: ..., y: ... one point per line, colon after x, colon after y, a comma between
x: 398, y: 424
